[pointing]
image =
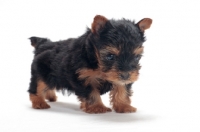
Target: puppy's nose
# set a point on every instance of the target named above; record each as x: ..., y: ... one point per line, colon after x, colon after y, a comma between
x: 124, y: 76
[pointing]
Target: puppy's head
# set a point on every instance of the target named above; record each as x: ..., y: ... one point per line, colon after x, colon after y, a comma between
x: 117, y: 46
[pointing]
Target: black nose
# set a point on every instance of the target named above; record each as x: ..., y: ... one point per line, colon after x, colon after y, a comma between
x: 124, y: 76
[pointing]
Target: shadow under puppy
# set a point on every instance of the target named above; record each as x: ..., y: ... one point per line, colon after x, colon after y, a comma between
x: 105, y: 58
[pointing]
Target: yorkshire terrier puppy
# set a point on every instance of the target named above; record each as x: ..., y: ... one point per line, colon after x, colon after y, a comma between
x: 105, y: 58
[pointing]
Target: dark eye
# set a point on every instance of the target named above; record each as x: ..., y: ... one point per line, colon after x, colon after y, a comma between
x: 110, y: 57
x: 137, y: 57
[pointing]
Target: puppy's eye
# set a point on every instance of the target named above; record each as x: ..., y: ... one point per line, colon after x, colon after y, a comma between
x: 110, y: 57
x: 137, y: 57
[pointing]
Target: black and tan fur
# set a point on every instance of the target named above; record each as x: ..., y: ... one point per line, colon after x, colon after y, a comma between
x: 105, y: 58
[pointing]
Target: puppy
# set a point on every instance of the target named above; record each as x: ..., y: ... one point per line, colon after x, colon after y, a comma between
x: 105, y: 58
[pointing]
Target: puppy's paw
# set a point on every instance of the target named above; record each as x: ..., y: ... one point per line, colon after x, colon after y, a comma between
x: 52, y: 99
x: 125, y: 109
x: 38, y: 102
x: 40, y: 105
x: 95, y: 109
x: 51, y: 95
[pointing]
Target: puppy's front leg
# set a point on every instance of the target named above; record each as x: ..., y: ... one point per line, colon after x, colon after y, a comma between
x: 93, y: 104
x: 119, y: 98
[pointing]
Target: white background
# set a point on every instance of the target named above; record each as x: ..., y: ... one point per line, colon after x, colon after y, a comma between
x: 166, y: 95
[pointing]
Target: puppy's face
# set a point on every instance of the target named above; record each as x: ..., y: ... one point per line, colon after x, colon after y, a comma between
x: 119, y: 47
x: 120, y: 64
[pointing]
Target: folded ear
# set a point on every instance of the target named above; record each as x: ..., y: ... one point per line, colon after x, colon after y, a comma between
x: 144, y: 24
x: 98, y: 23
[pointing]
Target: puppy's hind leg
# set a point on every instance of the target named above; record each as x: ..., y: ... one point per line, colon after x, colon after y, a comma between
x: 38, y: 98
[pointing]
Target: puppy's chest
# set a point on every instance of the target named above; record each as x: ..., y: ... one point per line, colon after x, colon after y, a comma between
x: 95, y: 78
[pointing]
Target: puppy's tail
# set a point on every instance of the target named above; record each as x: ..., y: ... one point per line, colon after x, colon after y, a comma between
x: 36, y: 41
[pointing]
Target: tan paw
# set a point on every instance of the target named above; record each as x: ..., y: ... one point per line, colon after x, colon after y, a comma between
x: 95, y: 109
x: 38, y: 102
x: 50, y: 95
x: 52, y: 99
x: 125, y: 109
x: 40, y: 105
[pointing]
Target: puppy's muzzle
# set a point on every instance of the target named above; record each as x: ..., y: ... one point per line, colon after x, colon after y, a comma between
x: 124, y: 76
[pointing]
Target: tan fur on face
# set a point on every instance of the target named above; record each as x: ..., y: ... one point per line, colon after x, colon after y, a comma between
x: 120, y: 100
x: 133, y: 76
x: 38, y: 101
x: 111, y: 50
x: 113, y: 76
x: 107, y: 50
x: 138, y: 50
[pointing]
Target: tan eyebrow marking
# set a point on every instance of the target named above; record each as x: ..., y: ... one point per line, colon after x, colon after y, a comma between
x: 112, y: 50
x: 138, y: 50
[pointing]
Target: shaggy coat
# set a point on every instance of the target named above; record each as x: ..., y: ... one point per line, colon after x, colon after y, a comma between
x: 105, y: 58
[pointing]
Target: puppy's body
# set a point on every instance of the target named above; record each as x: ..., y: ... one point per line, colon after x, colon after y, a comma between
x: 105, y: 58
x: 58, y: 63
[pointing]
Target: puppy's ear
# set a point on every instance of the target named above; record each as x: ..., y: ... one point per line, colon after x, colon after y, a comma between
x: 144, y: 24
x: 98, y: 23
